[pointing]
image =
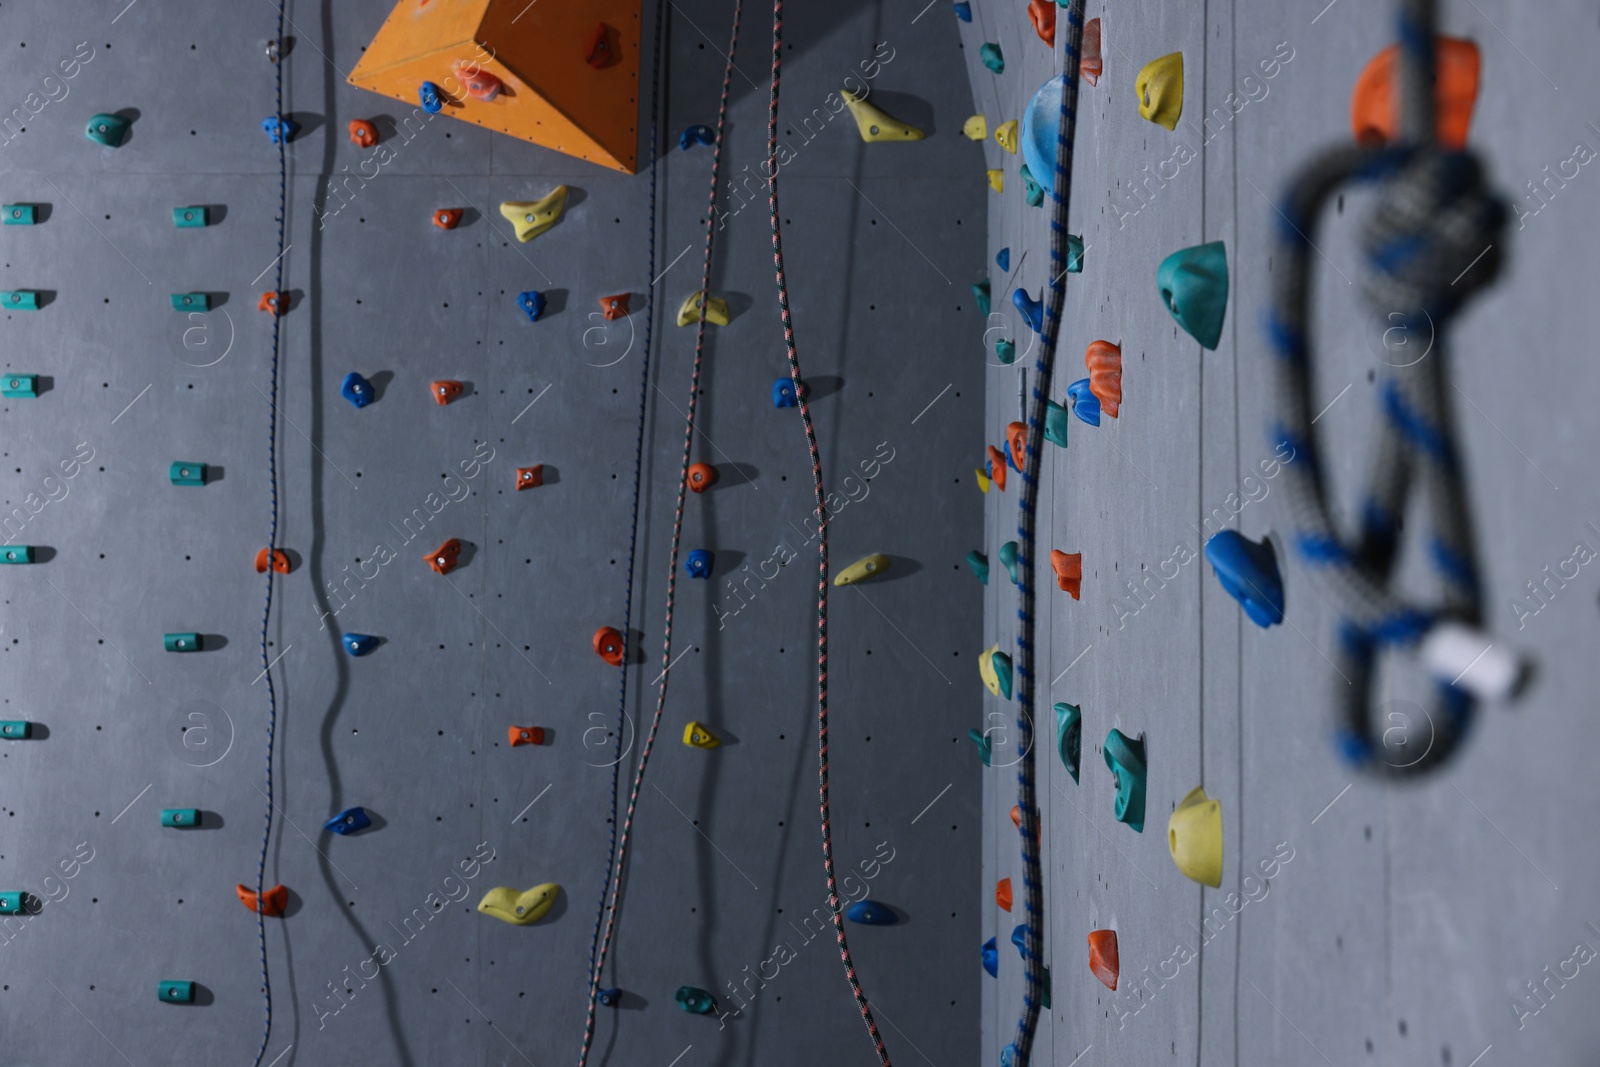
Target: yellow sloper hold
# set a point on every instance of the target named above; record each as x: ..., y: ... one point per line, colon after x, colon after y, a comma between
x: 976, y: 128
x: 519, y: 909
x: 997, y: 180
x: 699, y: 735
x: 1006, y: 135
x: 533, y: 217
x: 983, y: 480
x: 716, y: 310
x: 875, y: 125
x: 862, y: 569
x: 1194, y: 834
x: 1160, y: 89
x: 986, y: 669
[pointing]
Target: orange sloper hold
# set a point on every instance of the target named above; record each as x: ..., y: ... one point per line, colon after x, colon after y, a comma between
x: 277, y: 303
x: 1017, y: 441
x: 280, y: 561
x: 1090, y: 65
x: 1374, y: 106
x: 1104, y: 361
x: 447, y: 218
x: 1069, y: 570
x: 997, y: 468
x: 1002, y: 894
x: 1103, y: 957
x: 1043, y: 15
x: 273, y: 901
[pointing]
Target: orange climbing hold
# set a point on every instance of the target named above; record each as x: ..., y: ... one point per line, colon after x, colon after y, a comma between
x: 445, y: 390
x: 479, y: 83
x: 271, y: 903
x: 447, y: 218
x: 277, y: 303
x: 997, y: 468
x: 1043, y: 14
x: 1017, y: 439
x: 529, y: 477
x: 1103, y: 957
x: 614, y: 307
x: 1375, y: 104
x: 1089, y: 62
x: 599, y: 54
x: 702, y: 476
x: 525, y: 735
x: 608, y: 645
x: 1104, y: 361
x: 363, y: 133
x: 1069, y: 570
x: 280, y: 561
x: 443, y: 559
x: 1016, y: 816
x: 1002, y: 894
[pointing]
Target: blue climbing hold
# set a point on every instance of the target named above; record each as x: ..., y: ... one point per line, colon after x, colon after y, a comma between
x: 1055, y: 423
x: 964, y: 11
x: 280, y: 129
x: 991, y: 958
x: 348, y: 821
x: 1085, y: 404
x: 979, y: 564
x: 693, y: 135
x: 985, y: 746
x: 531, y: 302
x: 871, y: 913
x: 783, y: 394
x: 356, y: 389
x: 610, y: 997
x: 1194, y: 286
x: 1005, y: 351
x: 1019, y: 935
x: 359, y: 644
x: 1040, y: 121
x: 1032, y: 310
x: 1008, y: 1055
x: 430, y: 97
x: 1002, y: 259
x: 699, y: 563
x: 980, y: 292
x: 1248, y: 570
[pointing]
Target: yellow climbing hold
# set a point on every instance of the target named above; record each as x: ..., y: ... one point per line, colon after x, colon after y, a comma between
x: 533, y: 217
x: 877, y: 126
x: 997, y: 180
x: 1006, y: 134
x: 976, y: 128
x: 983, y: 480
x: 1160, y: 89
x: 1194, y: 834
x: 699, y: 735
x: 862, y: 569
x: 519, y: 909
x: 986, y: 669
x: 716, y: 310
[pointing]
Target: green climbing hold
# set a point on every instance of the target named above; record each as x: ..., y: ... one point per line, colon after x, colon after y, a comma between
x: 186, y: 217
x: 992, y: 57
x: 1069, y: 736
x: 12, y: 903
x: 1032, y: 192
x: 181, y: 642
x: 979, y: 564
x: 694, y: 1000
x: 19, y: 300
x: 191, y: 302
x: 20, y: 386
x: 184, y: 473
x: 16, y: 730
x: 176, y: 992
x: 18, y: 214
x: 1008, y: 559
x: 1046, y: 1001
x: 1055, y: 423
x: 1125, y: 757
x: 16, y: 553
x: 980, y: 292
x: 1194, y: 286
x: 180, y: 817
x: 1006, y: 352
x: 985, y: 751
x: 108, y: 130
x: 1074, y: 254
x: 1001, y: 664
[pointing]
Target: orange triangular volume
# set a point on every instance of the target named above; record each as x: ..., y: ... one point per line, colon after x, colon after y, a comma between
x: 1002, y: 894
x: 1104, y: 361
x: 997, y: 468
x: 1069, y: 570
x: 273, y: 901
x: 1374, y: 106
x: 1089, y: 63
x: 550, y: 93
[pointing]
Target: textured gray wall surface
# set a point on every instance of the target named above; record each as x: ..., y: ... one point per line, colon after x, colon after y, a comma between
x: 1447, y: 921
x: 382, y: 958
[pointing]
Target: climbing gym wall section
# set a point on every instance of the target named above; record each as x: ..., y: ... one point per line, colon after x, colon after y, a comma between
x: 1347, y: 919
x: 399, y: 268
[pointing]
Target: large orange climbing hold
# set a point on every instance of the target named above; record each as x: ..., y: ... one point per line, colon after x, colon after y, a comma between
x: 363, y: 133
x: 1043, y: 15
x: 1069, y: 570
x: 1089, y: 62
x: 280, y: 561
x: 1017, y: 441
x: 1104, y: 361
x: 443, y: 559
x: 702, y: 476
x: 608, y: 645
x: 447, y: 218
x: 997, y: 468
x: 1375, y: 104
x: 1002, y: 894
x: 445, y: 390
x: 271, y: 903
x: 1103, y: 957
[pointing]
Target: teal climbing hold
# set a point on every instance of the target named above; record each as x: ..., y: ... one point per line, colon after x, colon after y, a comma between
x: 1005, y: 351
x: 979, y: 564
x: 980, y: 292
x: 19, y: 300
x: 1008, y: 559
x: 992, y: 57
x: 13, y: 902
x: 18, y: 214
x: 20, y: 386
x: 1194, y: 286
x: 185, y: 473
x: 1032, y: 191
x: 1055, y: 423
x: 1002, y: 259
x: 108, y: 130
x: 1002, y: 670
x: 985, y: 747
x: 176, y: 992
x: 191, y: 302
x: 182, y: 642
x: 694, y: 1000
x: 187, y: 217
x: 180, y: 817
x: 1074, y: 254
x: 16, y: 730
x: 1125, y: 757
x: 1069, y: 736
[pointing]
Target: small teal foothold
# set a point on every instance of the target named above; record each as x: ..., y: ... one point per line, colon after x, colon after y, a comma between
x: 18, y: 214
x: 176, y: 992
x: 991, y: 958
x: 180, y: 817
x: 1002, y: 259
x: 356, y: 389
x: 1074, y: 254
x: 108, y: 130
x: 610, y: 997
x: 1031, y: 310
x: 280, y: 129
x: 783, y: 394
x: 1125, y: 757
x: 980, y: 291
x: 699, y: 563
x: 1032, y: 191
x: 182, y: 642
x: 871, y: 913
x: 20, y: 386
x: 693, y: 135
x: 16, y: 730
x: 1006, y: 352
x: 12, y: 902
x: 979, y: 564
x: 16, y: 554
x: 1008, y: 559
x: 430, y: 97
x: 1085, y: 404
x: 182, y: 473
x: 992, y: 57
x: 1194, y: 286
x: 28, y: 300
x: 695, y: 1001
x: 532, y: 303
x: 964, y: 11
x: 191, y: 302
x: 1002, y: 670
x: 1069, y: 736
x: 1248, y: 570
x: 985, y: 747
x: 359, y: 644
x: 348, y: 821
x: 188, y: 217
x: 1055, y: 423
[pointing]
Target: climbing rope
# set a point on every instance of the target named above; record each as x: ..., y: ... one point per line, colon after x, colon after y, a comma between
x: 657, y: 72
x: 615, y: 887
x: 272, y: 536
x: 1431, y: 243
x: 1018, y: 1052
x: 822, y: 538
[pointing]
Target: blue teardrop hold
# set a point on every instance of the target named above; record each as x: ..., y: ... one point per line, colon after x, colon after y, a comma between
x: 991, y: 958
x: 783, y: 394
x: 1002, y: 259
x: 1085, y: 404
x: 359, y: 644
x: 610, y: 997
x: 356, y: 389
x: 531, y: 302
x: 1018, y: 935
x: 693, y: 135
x: 699, y: 563
x: 1248, y: 570
x: 348, y: 821
x: 871, y: 913
x: 1032, y: 310
x: 964, y: 11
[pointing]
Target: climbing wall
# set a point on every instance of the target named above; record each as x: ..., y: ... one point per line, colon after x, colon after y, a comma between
x: 381, y: 957
x: 1445, y: 920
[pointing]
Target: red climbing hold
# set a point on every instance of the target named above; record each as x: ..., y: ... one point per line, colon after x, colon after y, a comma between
x: 280, y: 561
x: 525, y: 735
x: 1002, y: 894
x: 445, y: 390
x: 1104, y: 361
x: 997, y: 468
x: 363, y: 133
x: 1375, y: 104
x: 1069, y: 570
x: 479, y: 83
x: 1016, y: 819
x: 608, y: 645
x: 702, y: 476
x: 272, y: 902
x: 1017, y: 440
x: 614, y: 307
x: 1089, y: 62
x: 447, y: 218
x: 443, y: 559
x: 1043, y: 14
x: 1103, y: 956
x: 599, y: 54
x: 277, y: 303
x: 528, y: 477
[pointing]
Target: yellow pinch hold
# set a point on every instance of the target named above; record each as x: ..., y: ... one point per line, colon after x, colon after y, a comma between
x: 997, y: 180
x: 1006, y: 135
x: 983, y: 480
x: 991, y: 680
x: 519, y: 909
x: 876, y: 126
x: 1194, y: 835
x: 976, y: 128
x: 532, y: 217
x: 699, y: 735
x: 716, y: 310
x: 1160, y: 89
x: 862, y: 569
